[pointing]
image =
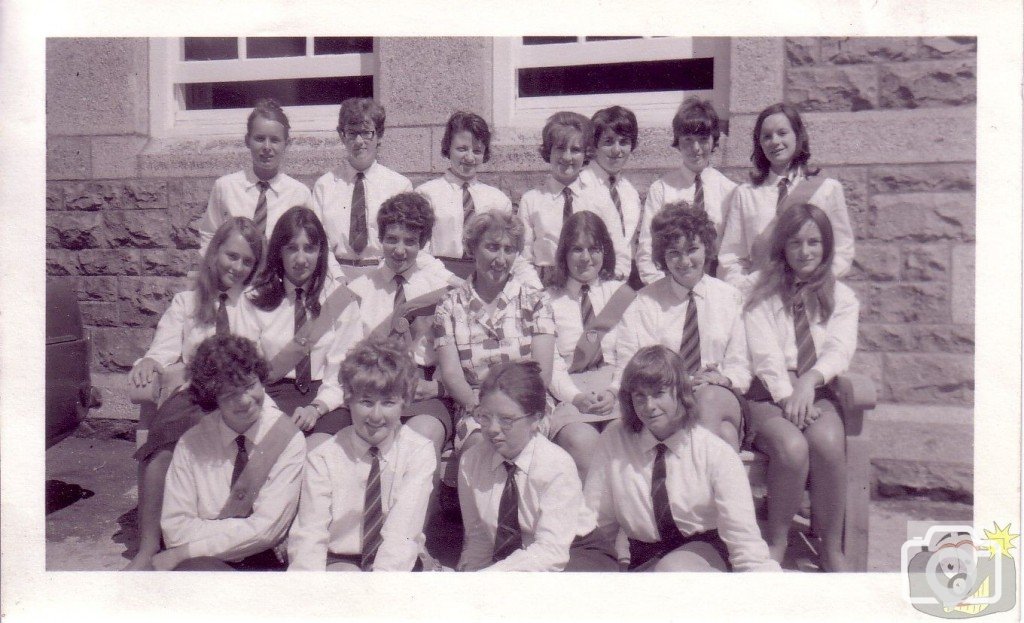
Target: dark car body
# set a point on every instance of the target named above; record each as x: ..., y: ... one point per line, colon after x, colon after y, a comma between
x: 69, y: 390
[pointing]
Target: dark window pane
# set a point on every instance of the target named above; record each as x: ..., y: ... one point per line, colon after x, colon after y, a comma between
x: 609, y: 38
x: 274, y: 47
x: 210, y: 48
x: 342, y: 45
x: 300, y: 92
x: 647, y: 76
x: 546, y: 40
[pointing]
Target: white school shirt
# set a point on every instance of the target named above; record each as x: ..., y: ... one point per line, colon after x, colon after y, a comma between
x: 273, y: 330
x: 330, y: 517
x: 771, y: 337
x: 541, y: 211
x: 679, y: 185
x: 594, y: 183
x: 199, y: 482
x: 551, y: 508
x: 565, y: 304
x: 658, y: 314
x: 445, y: 196
x: 706, y: 484
x: 236, y: 194
x: 376, y: 290
x: 179, y: 332
x: 752, y: 210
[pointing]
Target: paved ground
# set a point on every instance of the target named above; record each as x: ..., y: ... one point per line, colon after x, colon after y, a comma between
x: 94, y: 530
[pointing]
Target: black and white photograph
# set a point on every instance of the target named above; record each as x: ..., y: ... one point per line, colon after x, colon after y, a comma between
x: 652, y: 298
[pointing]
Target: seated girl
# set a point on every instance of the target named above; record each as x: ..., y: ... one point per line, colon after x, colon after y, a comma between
x: 678, y: 492
x: 211, y: 307
x: 802, y: 328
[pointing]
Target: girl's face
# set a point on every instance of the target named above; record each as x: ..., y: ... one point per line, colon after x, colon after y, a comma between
x: 267, y: 143
x: 400, y: 245
x: 235, y: 261
x: 584, y: 259
x: 778, y: 142
x: 361, y: 143
x: 374, y: 417
x: 299, y: 257
x: 805, y: 249
x: 505, y: 425
x: 658, y: 410
x: 494, y: 255
x: 685, y: 261
x: 567, y: 158
x: 696, y: 151
x: 240, y: 406
x: 465, y: 154
x: 613, y: 151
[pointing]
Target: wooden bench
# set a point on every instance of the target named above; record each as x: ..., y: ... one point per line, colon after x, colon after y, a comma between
x: 856, y: 395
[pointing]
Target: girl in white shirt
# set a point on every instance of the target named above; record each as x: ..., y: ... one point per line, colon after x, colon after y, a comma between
x: 802, y: 332
x: 781, y: 154
x: 211, y: 307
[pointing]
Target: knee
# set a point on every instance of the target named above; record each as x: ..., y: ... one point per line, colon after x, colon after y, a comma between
x: 428, y: 426
x: 790, y: 450
x: 577, y: 438
x: 827, y: 440
x: 717, y: 404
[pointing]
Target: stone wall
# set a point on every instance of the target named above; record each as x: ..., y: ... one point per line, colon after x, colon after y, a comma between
x: 891, y: 118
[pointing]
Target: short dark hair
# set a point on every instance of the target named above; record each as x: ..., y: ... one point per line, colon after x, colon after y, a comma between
x: 679, y: 220
x: 505, y: 223
x: 520, y: 381
x: 583, y: 222
x: 223, y: 362
x: 378, y: 367
x: 412, y: 210
x: 620, y: 120
x: 355, y: 110
x: 558, y: 126
x: 655, y: 367
x: 802, y: 153
x: 696, y: 116
x: 470, y: 122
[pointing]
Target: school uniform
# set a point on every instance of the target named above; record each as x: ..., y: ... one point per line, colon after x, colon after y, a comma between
x: 237, y: 194
x: 330, y: 520
x: 199, y: 482
x: 707, y: 490
x: 542, y: 211
x: 445, y: 196
x: 750, y: 218
x: 551, y: 510
x: 622, y: 221
x: 273, y: 330
x: 658, y: 316
x: 680, y: 185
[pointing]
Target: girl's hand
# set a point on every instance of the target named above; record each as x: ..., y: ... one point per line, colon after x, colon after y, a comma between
x: 425, y: 389
x: 144, y: 371
x: 603, y: 403
x: 710, y: 375
x: 582, y: 402
x: 800, y: 404
x: 305, y: 417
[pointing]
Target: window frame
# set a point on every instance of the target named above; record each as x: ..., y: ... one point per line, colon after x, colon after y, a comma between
x: 169, y: 119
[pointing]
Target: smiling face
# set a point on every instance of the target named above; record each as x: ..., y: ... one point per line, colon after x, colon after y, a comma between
x: 613, y: 151
x: 567, y: 157
x: 361, y: 142
x: 584, y: 259
x: 778, y: 142
x: 695, y: 150
x: 299, y: 257
x: 466, y: 154
x: 400, y: 245
x: 267, y: 144
x: 684, y: 260
x: 658, y: 410
x: 505, y: 425
x: 494, y: 255
x: 240, y: 406
x: 375, y: 418
x: 805, y: 249
x: 235, y: 261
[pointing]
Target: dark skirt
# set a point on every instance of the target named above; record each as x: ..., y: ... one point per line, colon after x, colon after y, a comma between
x: 174, y: 417
x: 642, y: 554
x: 762, y: 407
x: 288, y: 398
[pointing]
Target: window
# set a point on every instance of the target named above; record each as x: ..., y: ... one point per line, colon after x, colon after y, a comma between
x: 199, y: 85
x: 537, y: 76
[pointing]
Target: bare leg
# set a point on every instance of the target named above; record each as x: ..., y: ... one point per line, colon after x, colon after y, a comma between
x: 579, y: 440
x: 788, y: 464
x: 695, y: 556
x: 341, y: 565
x: 152, y: 472
x: 431, y: 428
x: 826, y: 439
x: 720, y: 413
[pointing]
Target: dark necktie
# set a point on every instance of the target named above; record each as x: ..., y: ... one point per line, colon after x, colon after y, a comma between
x: 698, y: 194
x: 373, y: 514
x: 617, y: 201
x: 260, y: 216
x: 667, y: 528
x: 303, y: 371
x: 783, y: 191
x: 508, y: 538
x: 399, y: 291
x: 689, y: 348
x: 241, y: 459
x: 357, y: 232
x: 806, y: 356
x: 223, y: 326
x: 586, y: 308
x: 468, y: 207
x: 566, y: 204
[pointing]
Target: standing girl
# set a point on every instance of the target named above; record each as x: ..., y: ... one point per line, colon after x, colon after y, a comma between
x: 211, y: 307
x: 782, y: 178
x: 802, y: 331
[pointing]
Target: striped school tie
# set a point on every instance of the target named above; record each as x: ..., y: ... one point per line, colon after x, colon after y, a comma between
x: 566, y: 204
x: 617, y: 201
x: 373, y: 513
x: 783, y: 192
x: 260, y: 216
x: 357, y: 232
x: 698, y: 194
x: 223, y: 326
x: 468, y: 207
x: 586, y: 308
x: 666, y: 524
x: 399, y: 290
x: 689, y: 348
x: 806, y: 356
x: 508, y: 538
x: 303, y: 369
x: 241, y: 459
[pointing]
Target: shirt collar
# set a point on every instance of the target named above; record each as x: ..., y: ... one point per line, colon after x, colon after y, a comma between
x: 251, y: 179
x: 674, y: 443
x: 389, y: 275
x: 522, y: 461
x: 348, y: 172
x: 599, y: 174
x: 689, y: 177
x: 773, y: 180
x: 228, y: 434
x: 555, y: 187
x: 681, y: 292
x: 573, y: 287
x: 362, y: 449
x: 234, y: 293
x: 457, y: 181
